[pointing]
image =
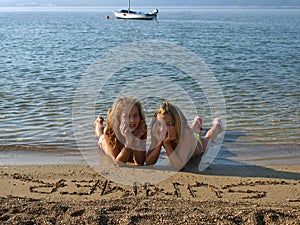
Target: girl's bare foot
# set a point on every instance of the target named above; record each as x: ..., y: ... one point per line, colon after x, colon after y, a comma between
x: 98, y: 125
x: 217, y: 122
x: 216, y: 129
x: 197, y: 125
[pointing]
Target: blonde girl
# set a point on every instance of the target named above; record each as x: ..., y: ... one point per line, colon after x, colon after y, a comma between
x: 124, y: 137
x: 170, y: 129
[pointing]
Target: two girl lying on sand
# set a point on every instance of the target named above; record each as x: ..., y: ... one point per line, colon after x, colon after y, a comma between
x: 124, y: 137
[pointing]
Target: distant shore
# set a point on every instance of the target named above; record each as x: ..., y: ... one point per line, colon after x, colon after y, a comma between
x: 112, y: 8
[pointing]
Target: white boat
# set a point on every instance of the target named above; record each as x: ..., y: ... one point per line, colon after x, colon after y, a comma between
x: 128, y: 14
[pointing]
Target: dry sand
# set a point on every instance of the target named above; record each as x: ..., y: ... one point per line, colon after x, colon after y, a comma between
x: 77, y: 194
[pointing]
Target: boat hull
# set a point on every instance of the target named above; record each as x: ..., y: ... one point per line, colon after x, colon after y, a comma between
x: 135, y: 15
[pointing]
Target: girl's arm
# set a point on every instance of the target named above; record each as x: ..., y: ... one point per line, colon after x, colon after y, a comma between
x: 140, y: 138
x: 153, y: 154
x: 133, y: 144
x: 174, y: 158
x: 179, y: 156
x: 169, y: 145
x: 124, y: 155
x: 139, y: 157
x: 110, y: 151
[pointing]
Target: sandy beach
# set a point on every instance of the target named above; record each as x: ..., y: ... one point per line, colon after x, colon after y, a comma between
x: 77, y: 194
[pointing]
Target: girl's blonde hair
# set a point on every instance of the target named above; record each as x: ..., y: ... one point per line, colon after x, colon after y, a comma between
x: 175, y: 112
x: 112, y: 132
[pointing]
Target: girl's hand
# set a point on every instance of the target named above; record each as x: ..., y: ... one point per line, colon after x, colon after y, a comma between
x: 125, y: 131
x: 141, y: 130
x: 156, y: 136
x: 171, y: 136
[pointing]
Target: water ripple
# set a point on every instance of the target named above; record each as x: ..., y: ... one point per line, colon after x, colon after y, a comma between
x: 253, y: 54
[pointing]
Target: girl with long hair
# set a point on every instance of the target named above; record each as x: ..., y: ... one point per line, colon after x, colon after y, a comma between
x: 124, y: 137
x: 170, y: 130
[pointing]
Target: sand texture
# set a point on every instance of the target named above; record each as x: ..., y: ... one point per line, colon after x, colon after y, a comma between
x: 77, y: 194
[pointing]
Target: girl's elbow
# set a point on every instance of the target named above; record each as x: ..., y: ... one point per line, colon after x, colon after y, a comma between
x: 140, y: 162
x: 149, y: 162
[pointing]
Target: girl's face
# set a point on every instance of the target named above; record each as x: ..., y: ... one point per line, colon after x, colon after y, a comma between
x: 132, y: 119
x: 163, y: 124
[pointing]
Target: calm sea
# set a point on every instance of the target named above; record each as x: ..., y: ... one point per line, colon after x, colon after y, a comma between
x: 253, y: 54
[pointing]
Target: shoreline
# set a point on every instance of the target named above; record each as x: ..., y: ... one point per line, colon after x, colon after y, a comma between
x: 219, y: 194
x: 230, y: 154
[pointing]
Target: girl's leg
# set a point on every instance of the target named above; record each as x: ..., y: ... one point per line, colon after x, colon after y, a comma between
x: 98, y: 125
x: 216, y: 129
x: 211, y: 134
x: 197, y: 125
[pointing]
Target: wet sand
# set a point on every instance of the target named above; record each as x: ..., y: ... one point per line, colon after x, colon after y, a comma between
x: 77, y: 194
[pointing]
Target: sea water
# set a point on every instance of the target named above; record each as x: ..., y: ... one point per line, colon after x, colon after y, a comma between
x: 253, y: 53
